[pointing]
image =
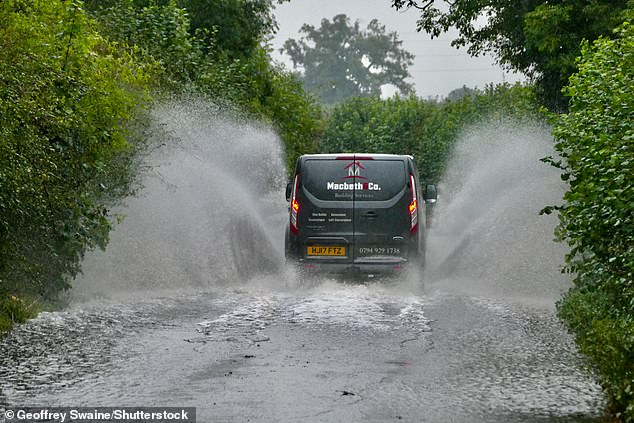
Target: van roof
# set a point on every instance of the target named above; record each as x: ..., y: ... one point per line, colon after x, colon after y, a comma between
x: 360, y: 155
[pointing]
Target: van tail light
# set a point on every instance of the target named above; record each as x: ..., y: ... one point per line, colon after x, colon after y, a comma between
x: 413, y: 206
x: 295, y: 207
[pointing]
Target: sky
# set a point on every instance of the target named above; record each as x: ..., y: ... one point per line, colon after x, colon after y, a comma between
x: 438, y: 68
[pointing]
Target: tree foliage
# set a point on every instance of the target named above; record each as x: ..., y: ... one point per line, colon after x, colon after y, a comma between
x: 161, y: 34
x: 236, y: 28
x: 426, y: 129
x: 67, y: 98
x: 340, y: 60
x: 596, y: 142
x: 239, y: 27
x: 208, y: 57
x: 73, y: 91
x: 540, y: 38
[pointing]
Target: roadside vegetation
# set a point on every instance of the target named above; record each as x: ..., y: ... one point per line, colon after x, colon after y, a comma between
x: 69, y: 101
x: 540, y: 38
x: 596, y: 141
x: 78, y: 80
x: 425, y: 128
x: 579, y: 56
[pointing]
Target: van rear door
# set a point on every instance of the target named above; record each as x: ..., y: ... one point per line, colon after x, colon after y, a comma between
x: 381, y: 220
x: 326, y: 218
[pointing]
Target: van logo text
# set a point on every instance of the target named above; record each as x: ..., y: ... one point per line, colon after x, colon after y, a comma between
x: 357, y: 186
x: 354, y: 172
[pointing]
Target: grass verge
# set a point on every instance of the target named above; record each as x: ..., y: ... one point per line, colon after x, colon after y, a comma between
x: 15, y: 310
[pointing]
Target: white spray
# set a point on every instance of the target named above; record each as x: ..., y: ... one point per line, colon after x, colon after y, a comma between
x: 488, y: 237
x: 211, y: 212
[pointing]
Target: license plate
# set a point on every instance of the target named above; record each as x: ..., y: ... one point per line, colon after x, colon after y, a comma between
x: 322, y: 250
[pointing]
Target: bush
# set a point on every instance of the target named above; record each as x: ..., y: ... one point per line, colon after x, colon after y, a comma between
x: 596, y: 142
x: 67, y: 100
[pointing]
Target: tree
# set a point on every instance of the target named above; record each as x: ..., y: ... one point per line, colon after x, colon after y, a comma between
x: 340, y: 60
x: 217, y: 49
x: 235, y: 28
x: 540, y: 38
x: 460, y: 93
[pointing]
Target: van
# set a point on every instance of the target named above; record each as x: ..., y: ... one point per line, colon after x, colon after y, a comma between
x: 357, y: 214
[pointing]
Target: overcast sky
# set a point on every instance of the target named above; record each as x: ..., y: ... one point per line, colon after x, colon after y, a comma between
x: 438, y: 68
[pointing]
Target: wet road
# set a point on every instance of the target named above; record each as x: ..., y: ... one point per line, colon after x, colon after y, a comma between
x: 190, y: 304
x: 330, y: 352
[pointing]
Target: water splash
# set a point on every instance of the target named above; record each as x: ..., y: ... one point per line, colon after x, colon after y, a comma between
x: 210, y: 213
x: 488, y: 237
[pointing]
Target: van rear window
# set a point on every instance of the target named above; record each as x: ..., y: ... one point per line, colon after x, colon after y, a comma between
x: 363, y: 180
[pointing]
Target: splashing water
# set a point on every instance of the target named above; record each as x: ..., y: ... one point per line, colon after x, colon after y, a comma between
x: 211, y: 210
x: 212, y: 213
x: 488, y: 237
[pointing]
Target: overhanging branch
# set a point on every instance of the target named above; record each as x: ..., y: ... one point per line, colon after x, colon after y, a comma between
x: 408, y: 4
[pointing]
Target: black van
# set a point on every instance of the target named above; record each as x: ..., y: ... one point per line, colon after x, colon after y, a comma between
x: 356, y: 213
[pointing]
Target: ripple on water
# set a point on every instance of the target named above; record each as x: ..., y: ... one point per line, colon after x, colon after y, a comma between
x: 59, y: 349
x: 354, y: 306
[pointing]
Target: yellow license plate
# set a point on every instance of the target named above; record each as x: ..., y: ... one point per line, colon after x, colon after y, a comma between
x: 322, y: 250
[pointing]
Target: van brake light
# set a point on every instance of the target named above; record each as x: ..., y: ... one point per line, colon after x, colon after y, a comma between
x: 413, y: 206
x: 294, y: 215
x: 354, y: 158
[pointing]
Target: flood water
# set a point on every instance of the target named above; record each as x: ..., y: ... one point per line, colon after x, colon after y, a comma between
x: 191, y: 304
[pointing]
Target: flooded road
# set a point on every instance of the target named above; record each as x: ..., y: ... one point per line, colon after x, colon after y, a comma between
x: 332, y: 352
x: 191, y: 304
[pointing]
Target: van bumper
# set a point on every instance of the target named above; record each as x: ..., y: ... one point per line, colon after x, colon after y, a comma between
x: 387, y: 266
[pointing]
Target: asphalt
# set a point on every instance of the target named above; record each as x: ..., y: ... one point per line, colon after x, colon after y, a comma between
x: 321, y: 353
